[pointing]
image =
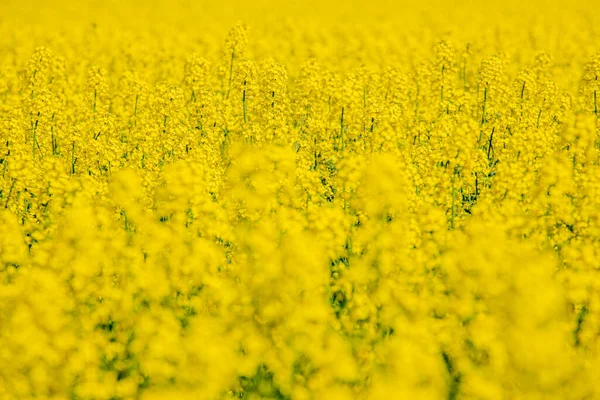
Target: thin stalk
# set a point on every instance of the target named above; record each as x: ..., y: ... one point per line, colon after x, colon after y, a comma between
x: 342, y: 129
x: 316, y: 164
x: 54, y: 146
x: 484, y: 105
x: 231, y: 71
x: 244, y: 101
x: 490, y: 143
x: 442, y: 88
x: 12, y: 186
x: 73, y: 159
x: 34, y: 127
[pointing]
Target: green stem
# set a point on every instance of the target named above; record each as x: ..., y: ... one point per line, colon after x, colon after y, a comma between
x: 442, y: 88
x: 231, y: 71
x: 484, y: 105
x: 12, y: 186
x: 244, y: 101
x: 342, y: 129
x: 490, y: 143
x: 54, y: 146
x: 73, y: 159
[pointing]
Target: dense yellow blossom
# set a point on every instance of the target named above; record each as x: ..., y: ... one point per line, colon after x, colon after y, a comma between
x: 299, y: 200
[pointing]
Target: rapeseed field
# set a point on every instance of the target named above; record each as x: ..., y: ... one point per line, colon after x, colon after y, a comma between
x: 299, y: 200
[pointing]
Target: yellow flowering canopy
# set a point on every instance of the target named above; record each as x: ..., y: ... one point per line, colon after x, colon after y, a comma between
x: 299, y: 200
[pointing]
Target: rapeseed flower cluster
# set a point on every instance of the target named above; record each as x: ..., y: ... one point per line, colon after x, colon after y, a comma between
x: 205, y: 201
